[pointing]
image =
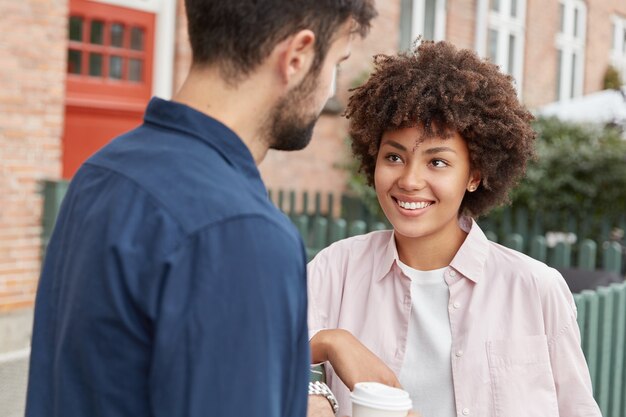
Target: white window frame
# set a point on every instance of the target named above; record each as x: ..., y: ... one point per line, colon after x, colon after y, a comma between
x: 569, y: 44
x: 506, y: 26
x: 417, y: 21
x: 165, y: 32
x: 618, y: 46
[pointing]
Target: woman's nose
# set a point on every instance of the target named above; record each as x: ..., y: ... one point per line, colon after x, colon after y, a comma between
x: 411, y: 179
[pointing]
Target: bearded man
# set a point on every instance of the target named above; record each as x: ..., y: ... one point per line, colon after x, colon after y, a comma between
x: 172, y: 286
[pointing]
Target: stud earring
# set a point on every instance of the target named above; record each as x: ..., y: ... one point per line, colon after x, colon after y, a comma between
x: 472, y: 188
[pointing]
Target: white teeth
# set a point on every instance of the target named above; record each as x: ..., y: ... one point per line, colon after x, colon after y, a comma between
x: 413, y: 205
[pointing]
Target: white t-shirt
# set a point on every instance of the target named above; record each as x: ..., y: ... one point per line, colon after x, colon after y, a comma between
x: 426, y: 373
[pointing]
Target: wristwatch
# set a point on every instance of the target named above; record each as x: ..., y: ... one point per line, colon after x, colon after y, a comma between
x: 320, y: 388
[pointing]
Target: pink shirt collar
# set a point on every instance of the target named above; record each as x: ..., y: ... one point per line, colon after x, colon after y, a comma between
x: 469, y: 260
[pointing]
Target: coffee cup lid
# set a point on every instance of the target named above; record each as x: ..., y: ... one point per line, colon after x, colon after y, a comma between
x: 380, y: 396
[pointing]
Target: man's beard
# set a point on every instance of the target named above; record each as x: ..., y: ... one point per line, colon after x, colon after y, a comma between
x: 290, y: 128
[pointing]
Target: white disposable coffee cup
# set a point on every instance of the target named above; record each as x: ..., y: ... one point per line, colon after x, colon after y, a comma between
x: 372, y: 399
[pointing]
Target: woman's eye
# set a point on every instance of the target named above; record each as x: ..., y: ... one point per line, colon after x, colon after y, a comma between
x: 439, y: 163
x: 393, y: 158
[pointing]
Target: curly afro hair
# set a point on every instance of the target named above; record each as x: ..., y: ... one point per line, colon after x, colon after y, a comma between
x: 446, y: 89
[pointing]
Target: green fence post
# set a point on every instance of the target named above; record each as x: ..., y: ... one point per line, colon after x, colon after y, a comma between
x: 292, y: 203
x: 305, y: 202
x: 53, y: 194
x: 581, y: 316
x: 521, y: 224
x: 318, y: 204
x: 320, y: 233
x: 281, y: 200
x: 506, y: 227
x: 302, y: 224
x: 514, y: 241
x: 539, y: 248
x: 331, y: 206
x: 617, y: 384
x: 357, y: 227
x: 587, y: 255
x: 605, y: 349
x: 612, y: 257
x: 338, y: 229
x: 562, y: 255
x: 537, y: 227
x: 590, y: 348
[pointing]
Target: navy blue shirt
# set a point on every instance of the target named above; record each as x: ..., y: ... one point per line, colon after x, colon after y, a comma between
x: 172, y: 286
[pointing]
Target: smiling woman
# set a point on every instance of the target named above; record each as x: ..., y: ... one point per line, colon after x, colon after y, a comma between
x: 426, y: 178
x: 466, y: 326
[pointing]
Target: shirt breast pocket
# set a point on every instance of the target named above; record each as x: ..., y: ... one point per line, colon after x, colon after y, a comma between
x: 521, y: 377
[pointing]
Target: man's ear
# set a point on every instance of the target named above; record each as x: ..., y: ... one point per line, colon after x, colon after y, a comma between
x: 296, y: 56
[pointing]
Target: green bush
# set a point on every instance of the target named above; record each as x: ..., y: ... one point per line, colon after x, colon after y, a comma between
x: 612, y: 79
x: 579, y: 169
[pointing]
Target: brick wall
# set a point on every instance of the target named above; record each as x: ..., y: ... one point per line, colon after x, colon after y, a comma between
x: 540, y: 58
x: 461, y: 23
x: 599, y: 34
x: 32, y: 47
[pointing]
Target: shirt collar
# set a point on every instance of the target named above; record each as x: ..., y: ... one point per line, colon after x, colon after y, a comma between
x: 228, y: 144
x: 388, y: 259
x: 469, y: 260
x: 472, y: 255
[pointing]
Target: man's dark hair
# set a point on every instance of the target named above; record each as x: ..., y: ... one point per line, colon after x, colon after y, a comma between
x: 446, y: 89
x: 237, y: 35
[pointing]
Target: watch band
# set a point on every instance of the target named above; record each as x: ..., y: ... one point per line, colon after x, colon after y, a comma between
x: 320, y: 388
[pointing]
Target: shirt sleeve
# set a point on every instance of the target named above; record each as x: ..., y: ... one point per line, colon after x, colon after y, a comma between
x: 325, y: 287
x: 231, y: 337
x: 569, y: 368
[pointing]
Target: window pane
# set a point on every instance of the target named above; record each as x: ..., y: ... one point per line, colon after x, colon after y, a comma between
x: 76, y: 28
x: 95, y: 65
x: 136, y: 39
x: 117, y: 35
x: 97, y: 32
x: 495, y: 5
x: 74, y: 61
x: 429, y: 19
x: 574, y: 71
x: 511, y: 60
x: 514, y: 8
x: 559, y: 71
x: 135, y: 70
x: 562, y: 17
x: 492, y: 45
x: 576, y: 22
x: 115, y: 67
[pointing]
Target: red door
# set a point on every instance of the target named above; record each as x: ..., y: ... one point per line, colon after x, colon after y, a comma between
x: 109, y: 76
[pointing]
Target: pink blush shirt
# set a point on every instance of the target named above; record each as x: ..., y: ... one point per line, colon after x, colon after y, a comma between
x: 515, y: 341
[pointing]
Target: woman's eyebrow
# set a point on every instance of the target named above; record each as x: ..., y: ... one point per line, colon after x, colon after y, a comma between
x: 394, y: 144
x: 438, y: 149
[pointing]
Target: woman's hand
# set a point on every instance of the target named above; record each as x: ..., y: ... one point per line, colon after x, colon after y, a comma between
x: 351, y: 360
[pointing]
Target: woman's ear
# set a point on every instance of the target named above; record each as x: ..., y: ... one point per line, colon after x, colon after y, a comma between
x: 474, y: 181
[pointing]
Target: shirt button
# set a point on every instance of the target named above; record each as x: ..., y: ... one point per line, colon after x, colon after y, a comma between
x: 452, y: 273
x: 456, y: 305
x: 466, y: 411
x: 459, y: 353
